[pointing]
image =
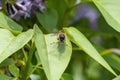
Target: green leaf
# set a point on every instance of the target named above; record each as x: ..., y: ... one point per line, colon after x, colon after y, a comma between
x: 60, y: 6
x: 10, y: 44
x: 59, y: 54
x: 7, y: 62
x: 5, y: 38
x: 14, y: 70
x: 81, y: 41
x: 54, y: 55
x: 113, y: 60
x: 42, y: 49
x: 9, y: 24
x: 4, y: 77
x: 48, y: 19
x: 110, y: 10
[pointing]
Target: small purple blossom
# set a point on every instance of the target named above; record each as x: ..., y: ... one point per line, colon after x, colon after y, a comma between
x: 0, y: 4
x: 24, y: 8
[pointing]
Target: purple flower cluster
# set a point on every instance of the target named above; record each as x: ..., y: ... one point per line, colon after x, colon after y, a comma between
x: 24, y: 8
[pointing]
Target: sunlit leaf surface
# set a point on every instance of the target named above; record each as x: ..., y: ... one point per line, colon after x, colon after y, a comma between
x: 56, y: 54
x: 111, y: 12
x: 10, y: 44
x: 81, y: 41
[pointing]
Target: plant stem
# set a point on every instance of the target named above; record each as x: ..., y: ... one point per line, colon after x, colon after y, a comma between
x: 25, y: 73
x: 25, y: 54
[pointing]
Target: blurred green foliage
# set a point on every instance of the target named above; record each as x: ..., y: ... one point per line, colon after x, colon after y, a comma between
x: 33, y: 48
